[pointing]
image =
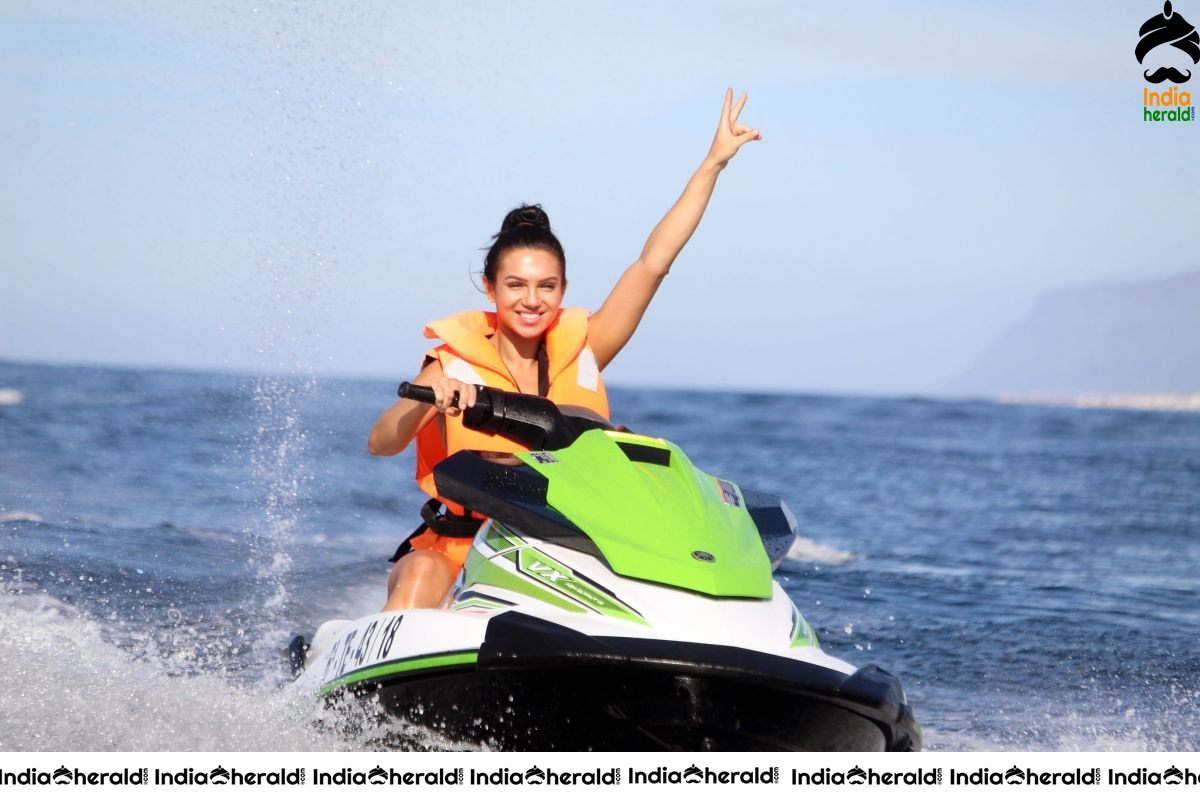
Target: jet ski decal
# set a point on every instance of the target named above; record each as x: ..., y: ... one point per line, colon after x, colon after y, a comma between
x: 729, y: 492
x: 546, y: 569
x: 500, y: 538
x: 540, y: 577
x: 483, y: 572
x: 473, y: 600
x: 802, y: 632
x: 408, y: 667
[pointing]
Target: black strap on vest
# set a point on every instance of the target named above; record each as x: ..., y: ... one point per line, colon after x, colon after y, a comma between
x: 448, y: 525
x: 543, y: 361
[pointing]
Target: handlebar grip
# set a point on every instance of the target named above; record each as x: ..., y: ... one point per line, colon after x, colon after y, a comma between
x: 418, y: 393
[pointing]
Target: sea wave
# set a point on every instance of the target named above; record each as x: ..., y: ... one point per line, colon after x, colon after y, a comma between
x: 65, y: 687
x: 1171, y: 402
x: 218, y: 535
x: 15, y: 516
x: 808, y: 550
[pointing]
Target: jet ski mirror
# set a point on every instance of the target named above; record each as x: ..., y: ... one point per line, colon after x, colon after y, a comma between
x: 531, y: 421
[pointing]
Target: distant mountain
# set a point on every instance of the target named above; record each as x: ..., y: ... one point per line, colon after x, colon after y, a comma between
x: 1141, y: 337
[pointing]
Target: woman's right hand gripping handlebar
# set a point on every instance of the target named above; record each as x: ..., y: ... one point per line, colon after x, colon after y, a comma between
x: 452, y: 396
x: 401, y: 422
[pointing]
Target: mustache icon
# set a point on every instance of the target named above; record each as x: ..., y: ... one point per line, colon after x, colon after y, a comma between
x: 1167, y: 73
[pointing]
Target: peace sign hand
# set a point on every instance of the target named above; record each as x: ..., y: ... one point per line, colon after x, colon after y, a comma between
x: 731, y: 135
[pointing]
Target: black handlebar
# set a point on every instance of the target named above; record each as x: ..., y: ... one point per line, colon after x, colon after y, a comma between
x: 419, y: 393
x: 531, y: 421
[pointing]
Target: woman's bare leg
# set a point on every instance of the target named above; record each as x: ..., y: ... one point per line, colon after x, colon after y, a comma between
x: 419, y: 579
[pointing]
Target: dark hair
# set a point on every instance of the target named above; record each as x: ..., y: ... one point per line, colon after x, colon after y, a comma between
x: 525, y: 227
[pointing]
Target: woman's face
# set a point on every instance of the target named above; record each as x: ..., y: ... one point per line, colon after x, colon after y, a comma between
x: 528, y: 290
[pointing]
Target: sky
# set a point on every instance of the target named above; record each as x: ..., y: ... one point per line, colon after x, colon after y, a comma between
x: 298, y: 187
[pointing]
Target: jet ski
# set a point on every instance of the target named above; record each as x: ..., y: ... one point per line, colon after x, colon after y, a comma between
x: 615, y: 598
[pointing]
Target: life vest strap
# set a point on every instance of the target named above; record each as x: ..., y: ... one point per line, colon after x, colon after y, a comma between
x: 543, y: 362
x: 448, y: 525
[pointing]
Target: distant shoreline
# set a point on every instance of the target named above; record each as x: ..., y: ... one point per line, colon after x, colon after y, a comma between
x: 1171, y: 402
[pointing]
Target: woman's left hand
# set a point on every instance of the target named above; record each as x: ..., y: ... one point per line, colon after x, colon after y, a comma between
x: 730, y: 134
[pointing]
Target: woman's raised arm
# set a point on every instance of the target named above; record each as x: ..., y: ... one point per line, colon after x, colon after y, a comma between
x: 611, y: 327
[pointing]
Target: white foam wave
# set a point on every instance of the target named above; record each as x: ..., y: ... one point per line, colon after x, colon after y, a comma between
x: 11, y: 396
x: 65, y: 688
x: 1168, y: 402
x: 1166, y: 725
x: 14, y: 516
x: 808, y: 550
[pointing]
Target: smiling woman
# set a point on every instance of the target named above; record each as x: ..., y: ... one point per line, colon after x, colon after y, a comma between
x: 528, y: 344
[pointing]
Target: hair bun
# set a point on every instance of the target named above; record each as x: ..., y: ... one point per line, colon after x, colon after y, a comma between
x: 525, y: 216
x: 526, y: 227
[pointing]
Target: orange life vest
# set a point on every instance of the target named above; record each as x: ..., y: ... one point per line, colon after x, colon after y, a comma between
x: 467, y: 354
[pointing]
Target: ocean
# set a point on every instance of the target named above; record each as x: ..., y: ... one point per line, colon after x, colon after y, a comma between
x: 1031, y: 573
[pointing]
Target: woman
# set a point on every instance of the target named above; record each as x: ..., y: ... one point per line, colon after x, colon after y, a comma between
x: 529, y: 345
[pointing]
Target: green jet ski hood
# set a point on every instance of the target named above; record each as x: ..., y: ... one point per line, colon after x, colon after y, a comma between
x: 654, y: 516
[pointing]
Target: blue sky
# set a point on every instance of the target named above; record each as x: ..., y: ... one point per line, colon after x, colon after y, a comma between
x: 299, y: 187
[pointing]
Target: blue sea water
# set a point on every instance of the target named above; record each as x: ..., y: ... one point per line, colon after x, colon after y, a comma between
x: 1032, y: 574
